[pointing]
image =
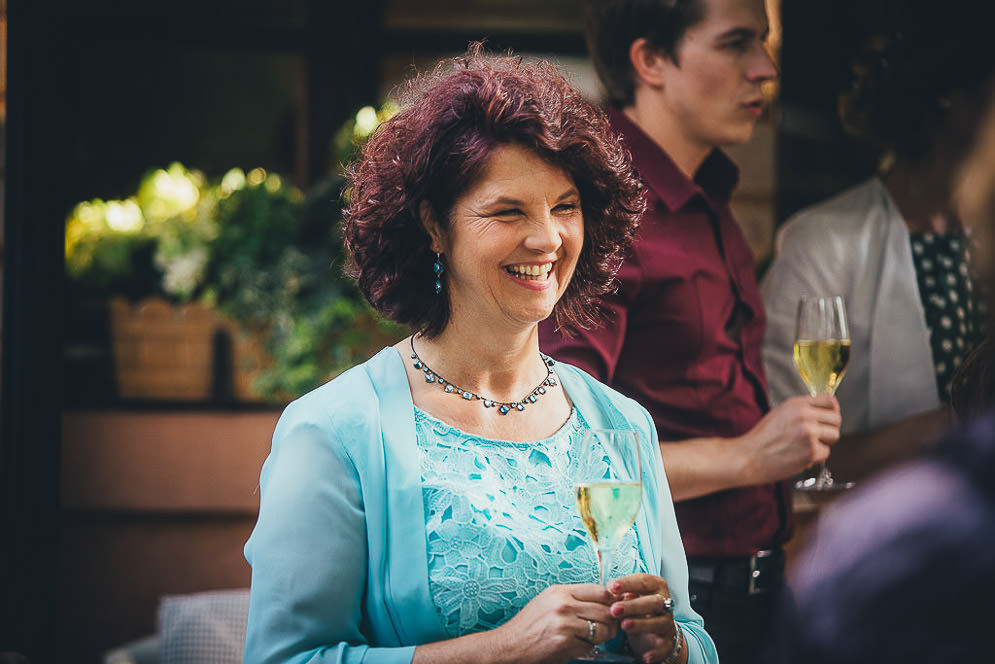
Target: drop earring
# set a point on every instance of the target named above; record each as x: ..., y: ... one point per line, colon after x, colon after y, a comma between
x: 438, y: 269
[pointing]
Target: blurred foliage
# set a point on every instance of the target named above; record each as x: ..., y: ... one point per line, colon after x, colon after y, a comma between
x: 259, y: 250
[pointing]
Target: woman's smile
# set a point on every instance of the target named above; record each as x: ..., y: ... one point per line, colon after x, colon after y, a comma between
x: 537, y: 273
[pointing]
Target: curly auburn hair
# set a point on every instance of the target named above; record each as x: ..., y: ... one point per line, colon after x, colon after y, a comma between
x: 438, y: 145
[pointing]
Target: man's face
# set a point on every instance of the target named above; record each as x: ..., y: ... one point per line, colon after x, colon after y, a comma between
x: 713, y: 91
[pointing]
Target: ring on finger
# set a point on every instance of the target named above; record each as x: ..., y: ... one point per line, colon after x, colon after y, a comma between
x: 591, y: 632
x: 668, y: 603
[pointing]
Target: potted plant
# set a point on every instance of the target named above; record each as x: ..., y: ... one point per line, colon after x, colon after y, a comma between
x: 245, y: 254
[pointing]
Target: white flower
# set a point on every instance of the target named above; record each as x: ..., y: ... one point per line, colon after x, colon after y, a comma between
x: 182, y: 274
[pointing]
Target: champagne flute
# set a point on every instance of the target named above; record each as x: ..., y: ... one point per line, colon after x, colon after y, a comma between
x: 821, y: 352
x: 609, y: 504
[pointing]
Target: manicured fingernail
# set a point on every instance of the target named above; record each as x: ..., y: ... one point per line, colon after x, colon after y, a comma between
x: 616, y: 586
x: 617, y: 610
x: 648, y: 658
x: 627, y: 624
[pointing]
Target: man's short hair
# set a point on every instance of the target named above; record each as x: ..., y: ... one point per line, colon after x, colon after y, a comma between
x: 612, y: 25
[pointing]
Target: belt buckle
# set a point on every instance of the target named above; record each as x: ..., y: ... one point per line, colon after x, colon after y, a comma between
x: 754, y: 587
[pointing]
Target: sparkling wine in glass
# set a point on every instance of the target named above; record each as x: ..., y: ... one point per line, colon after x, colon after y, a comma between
x: 609, y: 505
x: 821, y: 352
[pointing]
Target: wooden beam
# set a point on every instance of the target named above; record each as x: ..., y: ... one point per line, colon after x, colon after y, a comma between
x: 32, y: 340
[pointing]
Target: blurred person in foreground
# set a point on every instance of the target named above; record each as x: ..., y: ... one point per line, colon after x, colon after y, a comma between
x: 420, y: 507
x: 902, y: 571
x: 894, y: 246
x: 685, y: 331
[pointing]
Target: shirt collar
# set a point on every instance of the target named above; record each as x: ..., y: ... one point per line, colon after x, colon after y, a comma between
x: 715, y: 179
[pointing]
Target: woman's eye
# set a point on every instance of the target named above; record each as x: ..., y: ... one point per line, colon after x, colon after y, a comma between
x: 510, y: 212
x: 739, y: 46
x: 566, y: 207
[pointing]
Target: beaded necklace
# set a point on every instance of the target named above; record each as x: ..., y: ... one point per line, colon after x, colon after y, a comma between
x: 503, y: 407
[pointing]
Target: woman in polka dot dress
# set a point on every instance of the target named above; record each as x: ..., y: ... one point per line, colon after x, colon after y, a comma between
x: 894, y: 246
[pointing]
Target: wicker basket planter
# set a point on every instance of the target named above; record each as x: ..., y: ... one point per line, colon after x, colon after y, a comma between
x: 166, y: 352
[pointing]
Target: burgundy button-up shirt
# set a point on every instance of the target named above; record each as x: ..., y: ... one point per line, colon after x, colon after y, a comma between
x: 684, y: 338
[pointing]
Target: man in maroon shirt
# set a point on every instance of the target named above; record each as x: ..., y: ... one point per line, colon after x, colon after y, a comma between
x: 684, y: 331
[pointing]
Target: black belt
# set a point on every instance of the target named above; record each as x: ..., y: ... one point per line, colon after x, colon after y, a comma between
x: 749, y: 575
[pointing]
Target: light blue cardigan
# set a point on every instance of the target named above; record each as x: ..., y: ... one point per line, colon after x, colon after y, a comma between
x: 338, y: 555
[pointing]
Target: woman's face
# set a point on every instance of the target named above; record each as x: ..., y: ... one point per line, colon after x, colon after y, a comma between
x: 513, y: 242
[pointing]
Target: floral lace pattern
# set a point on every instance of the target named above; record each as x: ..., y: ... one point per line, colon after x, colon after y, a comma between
x: 502, y: 522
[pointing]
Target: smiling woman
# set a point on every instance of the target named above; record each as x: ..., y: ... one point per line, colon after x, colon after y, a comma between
x: 496, y: 198
x: 451, y: 123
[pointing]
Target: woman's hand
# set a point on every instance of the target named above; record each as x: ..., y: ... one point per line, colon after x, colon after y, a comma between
x: 643, y: 613
x: 555, y: 626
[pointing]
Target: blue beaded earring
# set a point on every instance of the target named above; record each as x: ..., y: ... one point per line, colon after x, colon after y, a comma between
x: 438, y: 269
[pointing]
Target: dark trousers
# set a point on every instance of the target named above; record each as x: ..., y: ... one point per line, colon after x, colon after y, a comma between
x: 740, y: 622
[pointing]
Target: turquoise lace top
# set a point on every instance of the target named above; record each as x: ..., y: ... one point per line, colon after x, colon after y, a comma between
x: 502, y: 522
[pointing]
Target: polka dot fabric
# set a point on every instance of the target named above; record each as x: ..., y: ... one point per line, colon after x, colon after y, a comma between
x: 949, y: 301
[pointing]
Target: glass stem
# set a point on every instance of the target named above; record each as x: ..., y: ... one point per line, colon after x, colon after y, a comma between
x: 604, y: 565
x: 825, y: 478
